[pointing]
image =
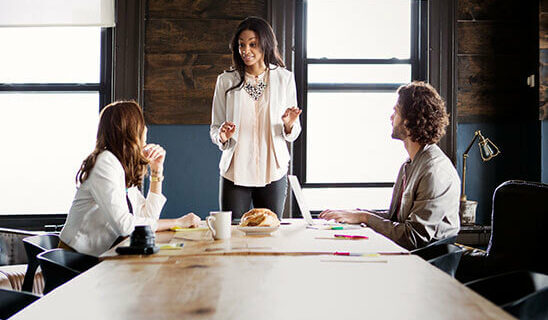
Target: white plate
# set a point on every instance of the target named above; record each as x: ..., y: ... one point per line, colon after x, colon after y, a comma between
x: 257, y: 230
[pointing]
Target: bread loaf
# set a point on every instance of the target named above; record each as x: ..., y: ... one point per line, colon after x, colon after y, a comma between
x: 259, y: 217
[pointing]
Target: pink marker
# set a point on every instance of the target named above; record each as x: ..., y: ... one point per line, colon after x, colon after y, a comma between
x: 353, y: 237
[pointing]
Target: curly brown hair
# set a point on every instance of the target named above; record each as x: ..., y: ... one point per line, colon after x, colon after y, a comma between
x: 121, y: 128
x: 423, y: 112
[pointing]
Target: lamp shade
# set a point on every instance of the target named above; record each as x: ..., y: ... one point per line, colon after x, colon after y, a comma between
x: 488, y: 149
x: 34, y: 13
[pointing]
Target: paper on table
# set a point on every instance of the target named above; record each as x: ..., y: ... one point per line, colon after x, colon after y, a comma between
x: 354, y: 260
x: 338, y: 227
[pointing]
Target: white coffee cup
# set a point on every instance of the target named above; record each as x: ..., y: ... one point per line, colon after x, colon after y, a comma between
x: 219, y: 223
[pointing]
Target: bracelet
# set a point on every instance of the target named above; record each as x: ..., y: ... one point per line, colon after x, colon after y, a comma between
x: 156, y: 172
x: 156, y: 178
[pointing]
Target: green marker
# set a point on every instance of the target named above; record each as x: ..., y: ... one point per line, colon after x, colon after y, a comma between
x: 337, y: 228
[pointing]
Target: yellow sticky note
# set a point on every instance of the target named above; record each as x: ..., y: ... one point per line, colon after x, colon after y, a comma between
x: 171, y: 246
x: 178, y: 229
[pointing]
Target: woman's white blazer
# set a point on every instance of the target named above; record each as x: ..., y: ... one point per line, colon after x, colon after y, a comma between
x: 226, y: 107
x: 100, y: 214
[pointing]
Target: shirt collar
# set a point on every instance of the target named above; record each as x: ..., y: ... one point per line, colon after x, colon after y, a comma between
x: 418, y: 155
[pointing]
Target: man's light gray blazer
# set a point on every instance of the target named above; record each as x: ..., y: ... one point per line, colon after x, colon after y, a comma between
x: 429, y: 209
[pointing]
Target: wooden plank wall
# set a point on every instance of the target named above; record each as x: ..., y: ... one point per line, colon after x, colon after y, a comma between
x: 543, y: 55
x: 493, y: 59
x: 186, y: 48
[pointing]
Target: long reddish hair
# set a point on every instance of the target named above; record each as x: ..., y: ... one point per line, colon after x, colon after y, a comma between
x: 121, y: 128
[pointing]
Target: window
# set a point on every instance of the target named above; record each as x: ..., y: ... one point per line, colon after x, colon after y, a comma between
x: 351, y: 56
x: 52, y: 84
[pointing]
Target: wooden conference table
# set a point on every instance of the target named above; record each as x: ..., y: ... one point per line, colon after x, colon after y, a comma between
x: 291, y: 274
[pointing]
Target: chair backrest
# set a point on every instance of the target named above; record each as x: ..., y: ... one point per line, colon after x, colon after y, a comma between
x: 59, y: 266
x: 531, y: 307
x: 507, y: 288
x: 445, y: 256
x: 519, y: 221
x: 427, y: 251
x: 33, y: 246
x: 450, y: 240
x: 42, y: 242
x: 12, y: 302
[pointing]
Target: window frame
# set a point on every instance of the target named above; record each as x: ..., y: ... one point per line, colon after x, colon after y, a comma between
x: 418, y: 60
x: 103, y: 86
x: 37, y: 221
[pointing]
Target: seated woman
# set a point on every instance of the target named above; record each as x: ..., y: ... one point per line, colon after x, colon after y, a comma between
x: 108, y: 205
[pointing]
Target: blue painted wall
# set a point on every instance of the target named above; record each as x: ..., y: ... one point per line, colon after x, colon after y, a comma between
x: 520, y: 159
x: 544, y: 151
x: 192, y: 174
x: 191, y: 169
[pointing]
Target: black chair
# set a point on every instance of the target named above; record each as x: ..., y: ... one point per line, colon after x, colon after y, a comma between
x: 450, y: 240
x: 519, y: 220
x: 520, y: 292
x: 33, y: 246
x: 12, y: 302
x: 531, y: 307
x: 444, y: 255
x: 518, y: 225
x: 59, y: 266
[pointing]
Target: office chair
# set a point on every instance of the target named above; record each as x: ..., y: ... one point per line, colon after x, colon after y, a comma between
x: 450, y: 240
x: 531, y: 307
x: 519, y: 220
x: 518, y: 292
x: 59, y: 266
x: 12, y: 302
x: 444, y: 255
x: 33, y: 246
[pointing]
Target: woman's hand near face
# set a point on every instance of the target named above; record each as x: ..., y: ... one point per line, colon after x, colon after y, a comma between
x: 289, y: 117
x: 226, y: 131
x: 189, y: 220
x: 156, y: 156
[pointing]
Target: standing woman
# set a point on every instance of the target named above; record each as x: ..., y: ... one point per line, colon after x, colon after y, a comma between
x: 107, y: 204
x: 254, y: 114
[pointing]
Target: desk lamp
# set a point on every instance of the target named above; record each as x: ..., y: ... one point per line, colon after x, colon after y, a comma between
x: 488, y: 150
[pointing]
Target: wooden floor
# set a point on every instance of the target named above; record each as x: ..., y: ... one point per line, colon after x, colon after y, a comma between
x: 252, y: 278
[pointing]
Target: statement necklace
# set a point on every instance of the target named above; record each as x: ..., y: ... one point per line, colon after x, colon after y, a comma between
x: 256, y: 90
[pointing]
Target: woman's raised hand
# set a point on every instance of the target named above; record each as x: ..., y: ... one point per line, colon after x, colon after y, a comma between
x: 156, y: 156
x: 289, y: 117
x: 227, y: 131
x: 189, y: 220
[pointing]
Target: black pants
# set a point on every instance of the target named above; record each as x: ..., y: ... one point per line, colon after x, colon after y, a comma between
x: 238, y: 199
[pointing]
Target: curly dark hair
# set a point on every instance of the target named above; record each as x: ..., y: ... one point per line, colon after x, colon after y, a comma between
x: 423, y: 112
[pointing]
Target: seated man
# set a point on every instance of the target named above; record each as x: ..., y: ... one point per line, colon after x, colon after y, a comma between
x: 425, y: 200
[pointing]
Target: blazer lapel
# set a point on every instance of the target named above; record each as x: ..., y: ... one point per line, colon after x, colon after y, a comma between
x: 236, y: 111
x: 273, y: 82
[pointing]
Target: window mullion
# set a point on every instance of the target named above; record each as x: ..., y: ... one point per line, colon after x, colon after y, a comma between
x: 57, y: 87
x: 346, y: 87
x: 357, y: 61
